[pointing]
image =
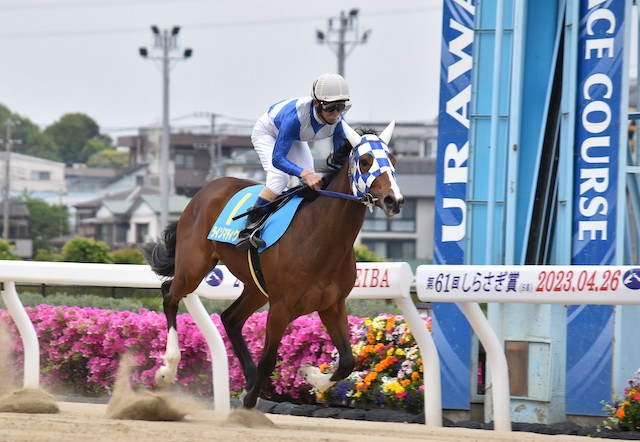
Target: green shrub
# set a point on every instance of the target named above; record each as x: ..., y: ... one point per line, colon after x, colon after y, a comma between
x: 82, y: 249
x: 6, y: 251
x: 48, y: 255
x: 130, y: 255
x: 363, y: 254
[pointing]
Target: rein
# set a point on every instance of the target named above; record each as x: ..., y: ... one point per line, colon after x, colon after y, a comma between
x: 367, y: 199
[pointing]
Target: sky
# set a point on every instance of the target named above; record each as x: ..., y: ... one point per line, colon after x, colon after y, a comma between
x: 67, y: 56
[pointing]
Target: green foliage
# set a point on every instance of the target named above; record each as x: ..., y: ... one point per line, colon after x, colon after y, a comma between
x: 82, y: 249
x: 78, y: 137
x: 47, y: 255
x: 111, y: 158
x: 29, y: 139
x: 31, y: 299
x: 47, y: 221
x: 363, y: 254
x: 130, y: 255
x: 6, y: 251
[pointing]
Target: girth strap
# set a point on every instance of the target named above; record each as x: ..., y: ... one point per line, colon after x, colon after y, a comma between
x: 256, y: 270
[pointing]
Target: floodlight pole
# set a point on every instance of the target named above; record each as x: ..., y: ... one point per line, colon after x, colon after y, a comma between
x: 343, y: 35
x: 166, y: 41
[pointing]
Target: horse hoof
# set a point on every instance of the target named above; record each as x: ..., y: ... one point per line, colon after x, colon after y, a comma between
x: 164, y: 377
x: 315, y: 377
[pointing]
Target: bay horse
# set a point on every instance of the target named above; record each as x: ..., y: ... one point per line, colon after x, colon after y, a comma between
x: 312, y: 267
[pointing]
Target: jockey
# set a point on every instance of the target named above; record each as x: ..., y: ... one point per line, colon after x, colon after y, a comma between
x: 280, y: 138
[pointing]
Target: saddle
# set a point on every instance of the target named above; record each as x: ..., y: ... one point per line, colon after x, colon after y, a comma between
x: 227, y: 226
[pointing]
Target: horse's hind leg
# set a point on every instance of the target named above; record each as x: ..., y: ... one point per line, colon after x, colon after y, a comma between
x: 233, y: 319
x: 164, y: 375
x: 185, y: 281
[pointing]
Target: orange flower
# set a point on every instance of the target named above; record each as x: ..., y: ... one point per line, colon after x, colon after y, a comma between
x: 620, y: 413
x: 415, y: 376
x: 391, y: 322
x: 370, y: 378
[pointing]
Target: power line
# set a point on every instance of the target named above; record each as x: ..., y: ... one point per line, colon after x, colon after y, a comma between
x: 84, y: 4
x: 195, y: 26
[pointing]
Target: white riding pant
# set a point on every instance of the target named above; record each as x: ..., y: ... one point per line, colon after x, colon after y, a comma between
x: 263, y: 138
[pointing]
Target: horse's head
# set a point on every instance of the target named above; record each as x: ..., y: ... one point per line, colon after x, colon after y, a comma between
x: 371, y: 170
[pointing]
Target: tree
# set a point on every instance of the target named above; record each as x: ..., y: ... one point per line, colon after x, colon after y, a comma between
x: 109, y: 158
x: 78, y: 137
x: 30, y: 140
x: 46, y: 221
x: 82, y: 249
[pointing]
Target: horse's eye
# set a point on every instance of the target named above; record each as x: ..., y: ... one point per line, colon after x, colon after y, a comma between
x: 365, y: 163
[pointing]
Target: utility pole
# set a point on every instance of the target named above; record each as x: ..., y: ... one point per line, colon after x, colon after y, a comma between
x: 165, y: 41
x: 343, y: 35
x: 7, y: 179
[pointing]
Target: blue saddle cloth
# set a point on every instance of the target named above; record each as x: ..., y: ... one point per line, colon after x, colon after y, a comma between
x: 225, y: 229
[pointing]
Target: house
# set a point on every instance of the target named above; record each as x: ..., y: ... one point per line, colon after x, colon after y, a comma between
x: 39, y: 178
x: 19, y: 228
x: 126, y: 218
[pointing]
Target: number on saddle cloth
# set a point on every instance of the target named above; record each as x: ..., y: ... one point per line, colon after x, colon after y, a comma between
x: 227, y: 229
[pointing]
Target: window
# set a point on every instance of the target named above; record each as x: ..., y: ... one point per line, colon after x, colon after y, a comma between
x: 121, y: 233
x: 40, y: 175
x: 142, y: 231
x: 392, y: 248
x: 139, y: 180
x: 405, y: 221
x: 185, y: 160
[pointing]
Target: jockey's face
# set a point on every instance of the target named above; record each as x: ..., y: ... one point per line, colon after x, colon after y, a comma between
x: 329, y: 112
x: 331, y: 117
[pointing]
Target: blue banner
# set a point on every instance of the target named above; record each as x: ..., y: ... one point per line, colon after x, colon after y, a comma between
x: 597, y: 137
x: 451, y: 331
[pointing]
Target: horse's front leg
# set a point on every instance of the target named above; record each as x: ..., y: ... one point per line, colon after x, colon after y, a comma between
x: 277, y: 322
x: 166, y: 374
x: 335, y: 321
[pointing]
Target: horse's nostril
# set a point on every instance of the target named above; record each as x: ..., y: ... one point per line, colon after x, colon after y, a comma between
x: 389, y: 201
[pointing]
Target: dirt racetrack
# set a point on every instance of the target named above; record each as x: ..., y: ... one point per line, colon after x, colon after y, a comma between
x: 88, y: 422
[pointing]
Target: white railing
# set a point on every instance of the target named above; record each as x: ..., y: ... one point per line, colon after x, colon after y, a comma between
x: 375, y: 281
x: 472, y: 284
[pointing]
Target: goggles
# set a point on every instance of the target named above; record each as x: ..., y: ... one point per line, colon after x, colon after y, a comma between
x: 330, y: 107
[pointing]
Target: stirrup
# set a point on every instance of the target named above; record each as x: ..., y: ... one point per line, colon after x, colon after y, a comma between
x: 251, y: 239
x: 255, y: 239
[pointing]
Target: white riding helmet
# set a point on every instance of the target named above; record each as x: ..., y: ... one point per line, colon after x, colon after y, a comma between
x: 330, y: 87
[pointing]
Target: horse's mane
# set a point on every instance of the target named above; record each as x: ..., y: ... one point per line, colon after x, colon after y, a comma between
x: 329, y: 171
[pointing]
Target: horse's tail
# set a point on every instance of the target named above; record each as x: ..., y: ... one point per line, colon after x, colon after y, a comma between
x: 161, y: 255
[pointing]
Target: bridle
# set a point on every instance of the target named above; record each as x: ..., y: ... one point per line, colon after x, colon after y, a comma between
x: 361, y: 182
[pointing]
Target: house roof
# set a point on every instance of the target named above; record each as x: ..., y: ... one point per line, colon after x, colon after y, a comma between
x: 16, y: 209
x: 129, y: 194
x: 177, y: 203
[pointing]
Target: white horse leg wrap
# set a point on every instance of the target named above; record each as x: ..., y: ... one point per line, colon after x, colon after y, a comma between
x: 167, y: 373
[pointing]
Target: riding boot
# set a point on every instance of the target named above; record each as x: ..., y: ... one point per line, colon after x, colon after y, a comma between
x: 250, y: 236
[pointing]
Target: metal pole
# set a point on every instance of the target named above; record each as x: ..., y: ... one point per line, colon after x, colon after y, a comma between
x: 164, y: 149
x: 166, y: 41
x: 7, y: 182
x: 341, y: 42
x: 344, y: 33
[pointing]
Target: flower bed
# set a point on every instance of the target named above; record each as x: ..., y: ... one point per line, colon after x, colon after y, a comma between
x: 625, y: 414
x: 80, y: 348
